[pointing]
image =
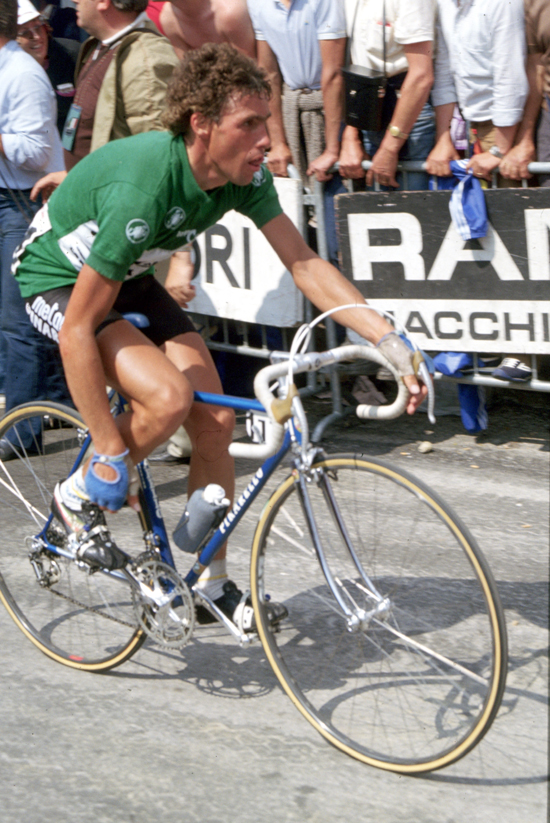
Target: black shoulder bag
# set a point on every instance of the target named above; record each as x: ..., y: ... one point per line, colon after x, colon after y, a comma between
x: 364, y: 90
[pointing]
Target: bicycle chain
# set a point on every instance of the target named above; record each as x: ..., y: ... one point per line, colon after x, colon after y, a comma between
x: 94, y: 610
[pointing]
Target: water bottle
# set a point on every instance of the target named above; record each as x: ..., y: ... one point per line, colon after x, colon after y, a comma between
x: 204, y: 511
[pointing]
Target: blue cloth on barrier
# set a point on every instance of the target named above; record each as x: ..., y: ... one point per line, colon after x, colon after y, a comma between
x: 473, y: 410
x: 443, y: 183
x: 467, y: 204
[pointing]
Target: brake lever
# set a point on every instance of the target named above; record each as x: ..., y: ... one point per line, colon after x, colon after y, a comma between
x: 425, y: 376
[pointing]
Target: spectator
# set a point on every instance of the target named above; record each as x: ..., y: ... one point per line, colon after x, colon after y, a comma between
x: 481, y: 67
x: 122, y: 77
x: 126, y: 62
x: 480, y: 64
x: 514, y: 165
x: 61, y: 15
x: 29, y: 147
x: 57, y: 56
x: 301, y: 45
x: 188, y: 24
x: 409, y: 34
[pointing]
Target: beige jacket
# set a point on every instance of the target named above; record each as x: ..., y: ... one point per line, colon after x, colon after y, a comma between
x: 133, y: 92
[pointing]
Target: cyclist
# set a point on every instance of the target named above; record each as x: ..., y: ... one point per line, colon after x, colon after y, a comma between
x: 87, y: 259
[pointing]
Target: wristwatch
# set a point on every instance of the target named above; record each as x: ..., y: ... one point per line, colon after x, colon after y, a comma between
x: 496, y: 152
x: 395, y: 131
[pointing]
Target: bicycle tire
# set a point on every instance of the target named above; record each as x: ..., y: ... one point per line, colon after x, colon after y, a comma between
x: 85, y: 621
x: 379, y: 693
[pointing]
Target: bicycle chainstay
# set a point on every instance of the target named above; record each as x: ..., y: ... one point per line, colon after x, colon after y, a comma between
x: 144, y: 557
x: 162, y: 603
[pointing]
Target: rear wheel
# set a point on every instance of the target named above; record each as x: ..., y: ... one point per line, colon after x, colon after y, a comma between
x: 82, y: 620
x: 411, y: 679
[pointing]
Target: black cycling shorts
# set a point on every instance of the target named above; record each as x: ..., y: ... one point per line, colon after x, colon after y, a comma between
x: 144, y: 295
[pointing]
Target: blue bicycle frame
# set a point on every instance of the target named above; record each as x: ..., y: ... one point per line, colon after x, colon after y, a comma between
x: 231, y: 520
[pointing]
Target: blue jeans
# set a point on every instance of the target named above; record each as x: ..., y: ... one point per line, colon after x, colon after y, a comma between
x: 418, y: 146
x: 12, y: 230
x: 331, y: 189
x: 32, y: 366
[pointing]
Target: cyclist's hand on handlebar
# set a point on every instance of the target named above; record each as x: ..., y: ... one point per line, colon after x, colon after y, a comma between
x: 417, y: 393
x: 400, y: 353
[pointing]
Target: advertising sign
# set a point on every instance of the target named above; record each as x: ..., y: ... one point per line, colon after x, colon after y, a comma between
x: 240, y: 276
x: 490, y: 295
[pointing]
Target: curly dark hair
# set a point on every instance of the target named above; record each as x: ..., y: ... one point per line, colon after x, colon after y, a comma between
x: 8, y: 19
x: 204, y: 82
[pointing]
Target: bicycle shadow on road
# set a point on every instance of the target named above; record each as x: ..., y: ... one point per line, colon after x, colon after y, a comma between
x: 212, y: 663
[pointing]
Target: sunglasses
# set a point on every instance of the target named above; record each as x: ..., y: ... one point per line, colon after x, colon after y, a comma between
x: 31, y: 31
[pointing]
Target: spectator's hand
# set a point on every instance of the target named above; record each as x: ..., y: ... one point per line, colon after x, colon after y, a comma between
x: 483, y: 164
x: 48, y: 184
x: 352, y: 155
x: 322, y: 164
x: 384, y: 166
x: 278, y: 158
x: 178, y: 282
x: 441, y: 155
x: 514, y: 164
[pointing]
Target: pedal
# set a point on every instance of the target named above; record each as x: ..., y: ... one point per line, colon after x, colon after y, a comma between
x: 243, y: 637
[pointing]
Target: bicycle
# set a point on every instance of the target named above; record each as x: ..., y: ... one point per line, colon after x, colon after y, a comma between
x: 394, y: 647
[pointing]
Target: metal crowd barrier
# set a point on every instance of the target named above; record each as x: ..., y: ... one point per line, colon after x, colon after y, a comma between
x: 314, y: 198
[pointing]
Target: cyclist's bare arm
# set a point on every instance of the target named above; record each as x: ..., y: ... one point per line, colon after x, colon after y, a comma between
x: 92, y: 298
x: 326, y: 287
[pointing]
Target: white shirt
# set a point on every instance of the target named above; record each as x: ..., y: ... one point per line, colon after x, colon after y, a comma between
x: 480, y: 59
x: 28, y: 116
x: 407, y: 21
x: 140, y: 19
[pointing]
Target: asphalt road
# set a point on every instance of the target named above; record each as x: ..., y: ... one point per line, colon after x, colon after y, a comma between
x: 206, y: 734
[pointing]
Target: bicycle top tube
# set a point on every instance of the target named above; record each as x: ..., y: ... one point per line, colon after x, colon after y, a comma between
x: 229, y: 401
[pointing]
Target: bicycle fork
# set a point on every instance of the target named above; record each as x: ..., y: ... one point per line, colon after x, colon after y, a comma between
x: 356, y: 617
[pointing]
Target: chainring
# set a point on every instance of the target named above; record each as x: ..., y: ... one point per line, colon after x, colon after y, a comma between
x: 163, y: 604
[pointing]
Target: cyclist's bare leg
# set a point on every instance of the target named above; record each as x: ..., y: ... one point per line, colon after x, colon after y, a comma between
x: 159, y: 395
x: 210, y: 428
x: 159, y: 388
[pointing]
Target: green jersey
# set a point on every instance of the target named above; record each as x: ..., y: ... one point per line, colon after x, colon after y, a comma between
x: 124, y: 208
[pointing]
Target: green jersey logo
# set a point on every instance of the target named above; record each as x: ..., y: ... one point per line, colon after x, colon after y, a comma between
x: 174, y: 218
x: 137, y: 230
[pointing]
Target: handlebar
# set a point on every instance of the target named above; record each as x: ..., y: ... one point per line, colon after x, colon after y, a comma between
x: 313, y: 361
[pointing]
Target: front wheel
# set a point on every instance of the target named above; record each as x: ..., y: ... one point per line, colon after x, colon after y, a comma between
x: 401, y: 661
x: 86, y: 621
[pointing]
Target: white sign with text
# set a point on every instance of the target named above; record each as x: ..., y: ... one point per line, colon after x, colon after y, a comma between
x: 240, y: 276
